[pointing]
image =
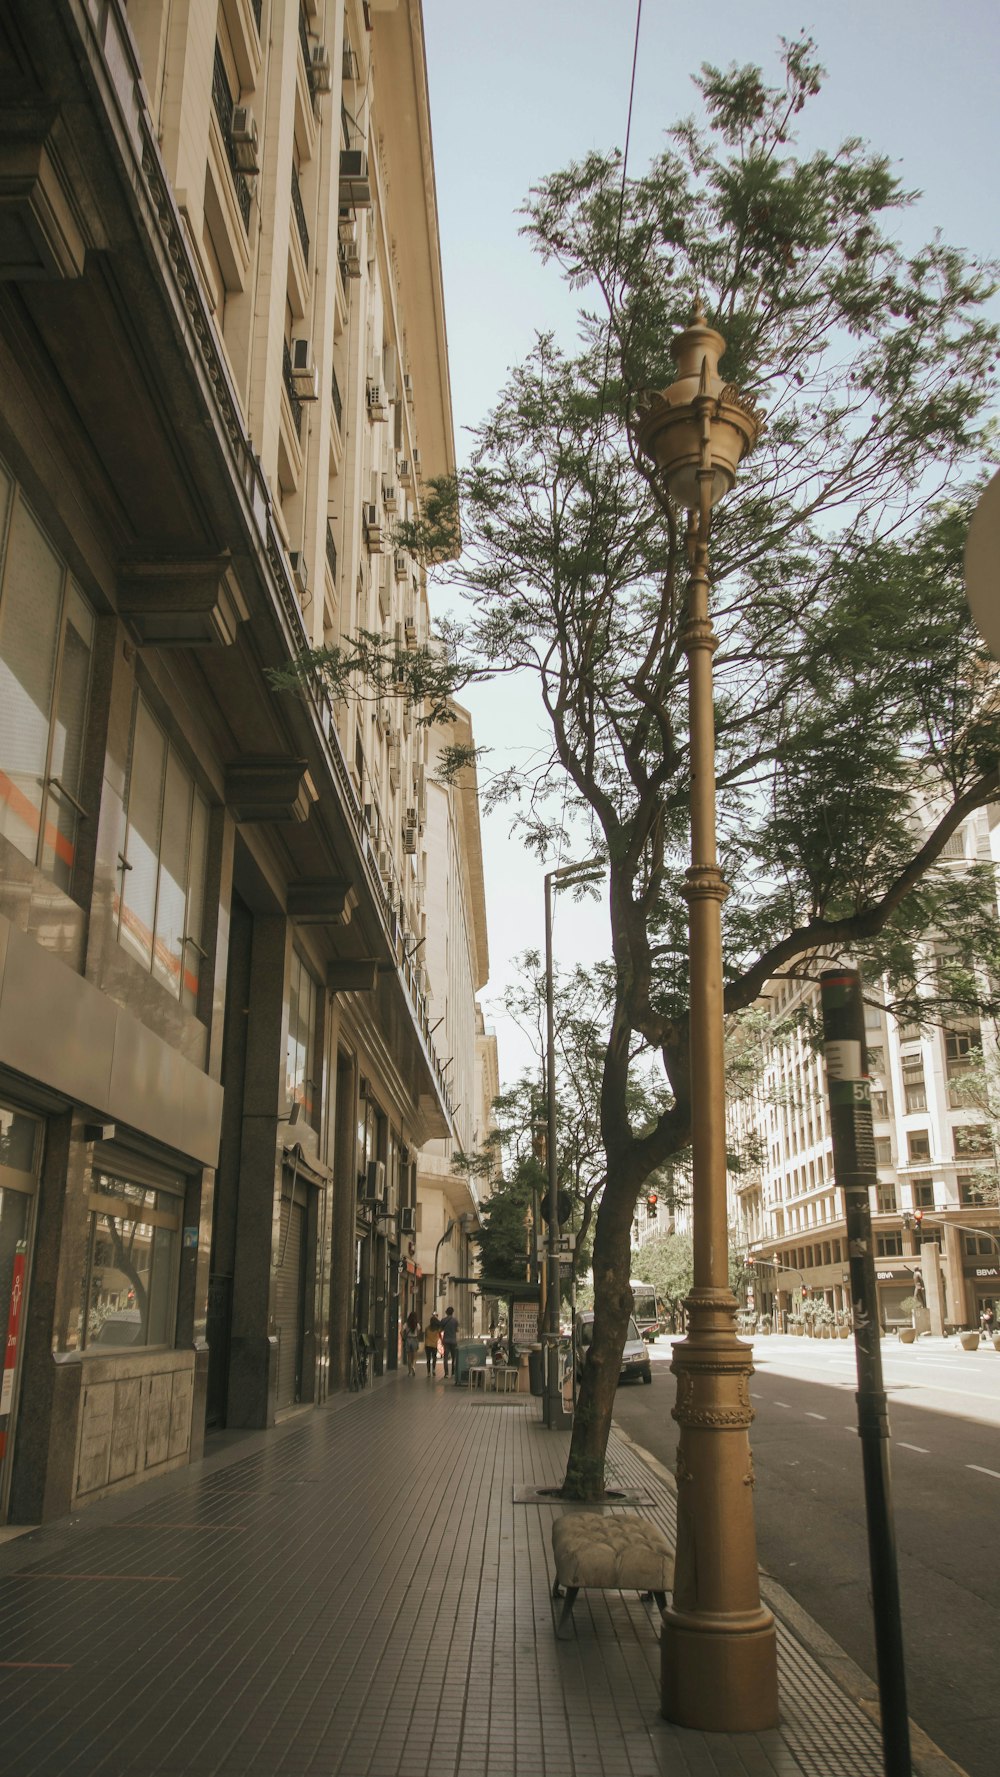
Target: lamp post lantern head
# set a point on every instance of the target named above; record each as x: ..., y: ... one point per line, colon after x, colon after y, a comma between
x: 699, y: 420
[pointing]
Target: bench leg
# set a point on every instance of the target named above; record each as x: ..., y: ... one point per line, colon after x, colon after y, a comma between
x: 566, y: 1618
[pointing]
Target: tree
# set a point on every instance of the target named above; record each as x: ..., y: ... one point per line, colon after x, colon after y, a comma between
x: 855, y: 707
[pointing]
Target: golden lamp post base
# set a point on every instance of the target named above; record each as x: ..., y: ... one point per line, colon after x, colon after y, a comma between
x: 719, y: 1649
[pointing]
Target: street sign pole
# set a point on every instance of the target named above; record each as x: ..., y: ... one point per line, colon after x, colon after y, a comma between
x: 854, y: 1168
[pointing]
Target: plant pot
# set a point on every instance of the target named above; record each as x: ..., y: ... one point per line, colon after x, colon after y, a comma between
x: 907, y: 1335
x: 845, y: 1332
x: 969, y: 1341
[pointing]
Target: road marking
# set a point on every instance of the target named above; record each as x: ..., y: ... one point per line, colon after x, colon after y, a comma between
x: 815, y: 1415
x: 917, y: 1447
x: 781, y: 1404
x: 983, y: 1471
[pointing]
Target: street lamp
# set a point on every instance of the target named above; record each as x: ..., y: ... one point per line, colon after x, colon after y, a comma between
x: 719, y: 1667
x: 566, y: 876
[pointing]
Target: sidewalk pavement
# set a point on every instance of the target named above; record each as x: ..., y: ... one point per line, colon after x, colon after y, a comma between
x: 356, y: 1594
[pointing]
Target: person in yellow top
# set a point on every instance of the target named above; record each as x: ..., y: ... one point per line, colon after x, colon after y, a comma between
x: 432, y: 1333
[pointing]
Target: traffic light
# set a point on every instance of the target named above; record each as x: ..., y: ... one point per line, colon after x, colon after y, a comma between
x: 918, y: 1216
x: 651, y: 1202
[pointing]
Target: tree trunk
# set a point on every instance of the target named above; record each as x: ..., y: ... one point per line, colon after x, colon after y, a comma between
x: 584, y: 1477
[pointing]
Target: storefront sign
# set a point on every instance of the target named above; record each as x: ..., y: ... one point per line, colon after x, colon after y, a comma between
x: 13, y: 1327
x: 987, y: 1271
x: 525, y: 1323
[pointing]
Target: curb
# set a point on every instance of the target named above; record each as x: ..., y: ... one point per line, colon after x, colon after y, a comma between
x: 928, y: 1759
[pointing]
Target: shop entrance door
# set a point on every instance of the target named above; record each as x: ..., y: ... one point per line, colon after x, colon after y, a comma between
x: 20, y: 1153
x: 289, y: 1295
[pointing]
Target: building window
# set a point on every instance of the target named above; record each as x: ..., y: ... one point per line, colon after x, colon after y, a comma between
x: 888, y: 1246
x: 972, y: 1141
x: 975, y: 1244
x: 876, y: 1060
x: 133, y: 1251
x: 974, y: 1189
x: 300, y: 1074
x: 880, y: 1104
x: 923, y: 1193
x: 873, y: 1016
x: 918, y: 1145
x: 912, y: 1064
x: 46, y: 650
x: 885, y: 1199
x: 961, y: 1047
x: 161, y: 904
x: 883, y: 1150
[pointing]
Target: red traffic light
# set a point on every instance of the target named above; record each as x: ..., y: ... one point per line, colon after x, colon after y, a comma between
x: 651, y: 1202
x: 918, y: 1216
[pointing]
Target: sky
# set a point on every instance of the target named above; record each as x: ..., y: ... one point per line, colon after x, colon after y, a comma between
x: 520, y: 89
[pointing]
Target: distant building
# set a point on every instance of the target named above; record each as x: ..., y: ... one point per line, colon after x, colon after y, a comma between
x: 934, y: 1152
x: 224, y: 377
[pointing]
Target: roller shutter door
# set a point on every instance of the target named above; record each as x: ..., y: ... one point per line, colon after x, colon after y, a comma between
x: 289, y: 1280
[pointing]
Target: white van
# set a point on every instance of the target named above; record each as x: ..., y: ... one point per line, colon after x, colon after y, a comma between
x: 635, y: 1353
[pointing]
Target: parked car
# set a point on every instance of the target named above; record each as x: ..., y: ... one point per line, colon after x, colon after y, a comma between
x: 635, y: 1354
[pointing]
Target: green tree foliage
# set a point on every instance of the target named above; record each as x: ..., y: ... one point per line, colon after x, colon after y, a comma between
x: 855, y: 707
x: 504, y: 1240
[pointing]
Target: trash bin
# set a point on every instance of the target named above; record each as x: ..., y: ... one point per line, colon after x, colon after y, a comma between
x: 469, y: 1353
x: 536, y: 1369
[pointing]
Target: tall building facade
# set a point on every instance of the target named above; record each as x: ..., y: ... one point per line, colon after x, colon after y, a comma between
x: 224, y: 377
x: 934, y: 1149
x: 455, y: 959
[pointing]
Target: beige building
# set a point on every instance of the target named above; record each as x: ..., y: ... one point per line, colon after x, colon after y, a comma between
x: 455, y: 964
x: 223, y: 381
x: 933, y: 1151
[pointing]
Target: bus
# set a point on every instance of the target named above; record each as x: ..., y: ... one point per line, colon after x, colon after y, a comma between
x: 644, y: 1308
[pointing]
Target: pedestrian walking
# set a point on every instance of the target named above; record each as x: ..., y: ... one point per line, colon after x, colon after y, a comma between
x: 411, y: 1341
x: 449, y: 1330
x: 432, y: 1333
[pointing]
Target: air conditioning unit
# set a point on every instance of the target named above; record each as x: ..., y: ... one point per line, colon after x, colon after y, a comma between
x: 244, y: 139
x: 300, y: 572
x: 375, y: 1181
x: 410, y: 837
x: 350, y: 70
x: 407, y: 385
x: 405, y: 471
x: 408, y: 1220
x: 384, y: 864
x: 320, y: 72
x: 401, y: 564
x: 376, y: 402
x: 355, y: 185
x: 372, y: 520
x: 390, y: 496
x: 305, y: 376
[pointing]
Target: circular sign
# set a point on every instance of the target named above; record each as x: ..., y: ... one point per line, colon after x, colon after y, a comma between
x: 982, y: 566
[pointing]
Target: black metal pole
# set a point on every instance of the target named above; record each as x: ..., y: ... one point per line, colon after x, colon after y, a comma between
x: 854, y: 1168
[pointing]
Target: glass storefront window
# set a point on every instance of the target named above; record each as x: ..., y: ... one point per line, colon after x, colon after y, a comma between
x: 161, y: 904
x: 130, y: 1284
x: 300, y: 1074
x: 46, y: 650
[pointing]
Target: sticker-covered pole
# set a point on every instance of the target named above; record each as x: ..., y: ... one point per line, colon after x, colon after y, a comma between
x: 849, y: 1091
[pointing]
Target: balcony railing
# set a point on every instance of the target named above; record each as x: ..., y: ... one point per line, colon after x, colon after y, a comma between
x: 304, y: 42
x: 222, y: 99
x: 290, y: 390
x: 300, y: 214
x: 338, y: 405
x: 331, y: 553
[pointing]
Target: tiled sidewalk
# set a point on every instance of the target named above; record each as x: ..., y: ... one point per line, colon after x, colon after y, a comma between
x: 354, y: 1594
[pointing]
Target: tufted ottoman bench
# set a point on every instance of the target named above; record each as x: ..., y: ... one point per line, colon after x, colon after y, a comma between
x: 612, y: 1553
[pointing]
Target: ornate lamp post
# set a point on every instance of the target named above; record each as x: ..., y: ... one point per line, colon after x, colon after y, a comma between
x: 719, y: 1646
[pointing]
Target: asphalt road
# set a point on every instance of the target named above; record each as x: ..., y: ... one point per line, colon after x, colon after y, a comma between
x: 945, y: 1424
